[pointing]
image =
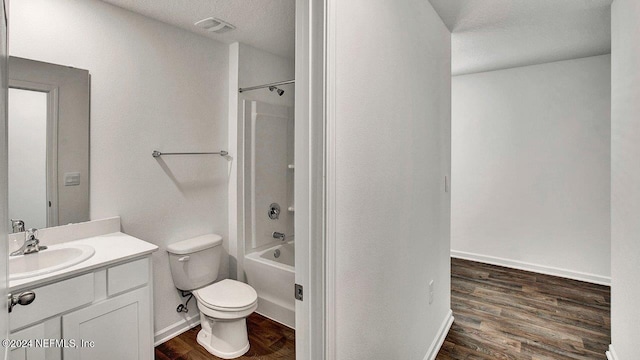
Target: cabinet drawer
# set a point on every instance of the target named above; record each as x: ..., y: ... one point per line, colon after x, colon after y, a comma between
x: 54, y: 299
x: 127, y: 276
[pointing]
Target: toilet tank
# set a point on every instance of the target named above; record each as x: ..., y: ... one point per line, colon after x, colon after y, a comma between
x: 195, y: 262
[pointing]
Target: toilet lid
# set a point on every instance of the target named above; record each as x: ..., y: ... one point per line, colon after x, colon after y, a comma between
x: 227, y: 293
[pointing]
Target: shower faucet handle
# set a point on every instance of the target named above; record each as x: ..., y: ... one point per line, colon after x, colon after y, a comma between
x: 274, y: 211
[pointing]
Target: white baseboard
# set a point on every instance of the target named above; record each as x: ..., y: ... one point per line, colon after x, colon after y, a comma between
x: 176, y: 329
x: 543, y: 269
x: 611, y: 354
x: 442, y: 334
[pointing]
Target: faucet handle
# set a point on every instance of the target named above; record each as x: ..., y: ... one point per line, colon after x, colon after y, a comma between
x: 31, y: 234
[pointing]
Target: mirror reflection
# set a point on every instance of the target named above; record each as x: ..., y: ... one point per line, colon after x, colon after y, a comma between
x: 48, y: 144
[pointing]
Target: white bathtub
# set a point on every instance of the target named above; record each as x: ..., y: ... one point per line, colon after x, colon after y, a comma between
x: 273, y: 278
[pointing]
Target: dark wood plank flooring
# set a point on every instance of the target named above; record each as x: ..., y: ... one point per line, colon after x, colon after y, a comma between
x: 269, y: 340
x: 503, y: 313
x: 500, y: 313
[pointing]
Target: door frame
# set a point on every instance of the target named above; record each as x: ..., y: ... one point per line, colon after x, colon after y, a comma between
x: 310, y: 201
x: 4, y: 223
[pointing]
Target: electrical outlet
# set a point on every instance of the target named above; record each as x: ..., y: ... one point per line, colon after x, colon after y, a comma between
x: 431, y: 291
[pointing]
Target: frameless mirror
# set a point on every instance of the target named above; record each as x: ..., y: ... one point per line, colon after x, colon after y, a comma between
x: 48, y: 143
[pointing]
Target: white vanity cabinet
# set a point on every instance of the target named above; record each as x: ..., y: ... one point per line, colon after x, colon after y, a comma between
x: 102, y: 314
x: 31, y: 353
x: 118, y: 327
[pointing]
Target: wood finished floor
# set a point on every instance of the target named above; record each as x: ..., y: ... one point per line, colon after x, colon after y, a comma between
x: 503, y: 313
x: 269, y: 340
x: 500, y: 313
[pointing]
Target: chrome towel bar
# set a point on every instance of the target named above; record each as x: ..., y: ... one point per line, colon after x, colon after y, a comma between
x: 157, y: 153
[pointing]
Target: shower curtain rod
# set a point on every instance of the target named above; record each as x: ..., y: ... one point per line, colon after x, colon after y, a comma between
x: 266, y: 85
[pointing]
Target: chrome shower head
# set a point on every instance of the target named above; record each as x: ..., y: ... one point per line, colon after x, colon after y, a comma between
x: 279, y: 91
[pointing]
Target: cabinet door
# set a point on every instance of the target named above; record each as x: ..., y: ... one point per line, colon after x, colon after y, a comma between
x: 119, y: 327
x: 28, y: 353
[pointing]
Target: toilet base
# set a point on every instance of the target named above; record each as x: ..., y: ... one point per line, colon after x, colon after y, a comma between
x: 225, y: 339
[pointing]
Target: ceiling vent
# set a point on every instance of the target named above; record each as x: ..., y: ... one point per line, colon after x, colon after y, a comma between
x: 214, y: 25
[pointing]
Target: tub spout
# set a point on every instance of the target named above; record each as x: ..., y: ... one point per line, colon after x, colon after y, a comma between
x: 278, y: 235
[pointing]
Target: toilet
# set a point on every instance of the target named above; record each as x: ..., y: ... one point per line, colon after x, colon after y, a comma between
x: 224, y: 305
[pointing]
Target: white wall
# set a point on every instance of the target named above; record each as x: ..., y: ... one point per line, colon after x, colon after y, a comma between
x: 27, y: 143
x: 625, y: 177
x: 153, y: 86
x: 388, y: 212
x: 531, y: 159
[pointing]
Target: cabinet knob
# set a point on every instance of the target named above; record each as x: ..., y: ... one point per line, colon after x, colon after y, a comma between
x: 23, y: 299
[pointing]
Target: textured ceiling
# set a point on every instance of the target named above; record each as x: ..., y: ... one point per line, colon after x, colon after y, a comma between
x: 498, y: 34
x: 265, y: 24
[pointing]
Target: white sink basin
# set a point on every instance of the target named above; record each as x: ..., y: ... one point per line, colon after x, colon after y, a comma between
x: 56, y: 257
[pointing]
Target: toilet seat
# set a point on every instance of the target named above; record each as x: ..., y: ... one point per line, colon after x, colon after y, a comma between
x: 229, y: 297
x: 224, y: 307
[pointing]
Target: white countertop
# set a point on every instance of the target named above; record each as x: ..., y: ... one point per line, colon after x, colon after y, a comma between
x: 110, y: 249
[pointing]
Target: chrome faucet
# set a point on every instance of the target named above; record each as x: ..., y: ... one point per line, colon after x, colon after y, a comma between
x: 17, y: 225
x: 278, y: 235
x: 31, y: 244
